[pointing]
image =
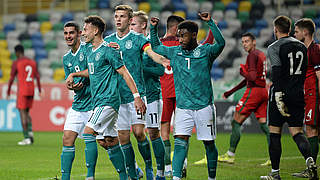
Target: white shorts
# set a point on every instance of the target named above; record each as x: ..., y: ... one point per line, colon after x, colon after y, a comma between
x: 204, y: 120
x: 153, y: 115
x: 128, y: 116
x: 103, y: 121
x: 76, y: 121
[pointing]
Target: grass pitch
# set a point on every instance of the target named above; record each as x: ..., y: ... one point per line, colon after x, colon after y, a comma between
x: 41, y: 160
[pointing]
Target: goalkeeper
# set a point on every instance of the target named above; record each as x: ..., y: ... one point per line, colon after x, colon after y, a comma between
x: 288, y: 58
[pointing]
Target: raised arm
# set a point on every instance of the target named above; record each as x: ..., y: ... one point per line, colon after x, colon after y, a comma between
x: 236, y: 88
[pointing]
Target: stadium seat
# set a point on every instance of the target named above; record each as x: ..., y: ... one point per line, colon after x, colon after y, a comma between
x: 256, y: 14
x: 222, y: 24
x: 233, y: 5
x: 226, y: 2
x: 58, y: 75
x: 3, y: 44
x: 206, y: 6
x: 34, y: 27
x: 55, y: 17
x: 216, y: 73
x: 310, y: 13
x: 37, y: 43
x: 201, y: 34
x: 40, y: 54
x: 4, y: 54
x: 13, y: 35
x: 56, y: 64
x: 36, y: 36
x: 93, y: 4
x: 192, y: 15
x: 255, y: 31
x: 67, y: 17
x: 19, y: 17
x: 180, y: 6
x: 9, y: 27
x: 144, y: 6
x: 155, y: 6
x: 234, y: 24
x: 180, y: 13
x: 50, y: 35
x: 103, y: 4
x: 230, y: 14
x: 45, y: 27
x: 245, y: 6
x: 217, y: 15
x: 218, y: 5
x: 296, y: 13
x: 261, y: 24
x: 243, y: 16
x: 12, y: 43
x: 58, y: 27
x: 43, y: 16
x: 51, y: 45
x: 2, y: 35
x: 27, y: 44
x: 21, y: 26
x: 31, y: 18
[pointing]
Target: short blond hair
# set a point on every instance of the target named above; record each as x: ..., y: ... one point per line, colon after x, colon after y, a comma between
x: 125, y: 8
x: 143, y: 17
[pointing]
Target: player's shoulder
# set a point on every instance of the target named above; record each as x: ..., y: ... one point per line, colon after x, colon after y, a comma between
x: 67, y: 54
x: 314, y: 47
x: 113, y: 35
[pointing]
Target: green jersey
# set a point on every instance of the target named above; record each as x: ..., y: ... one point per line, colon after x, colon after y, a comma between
x: 75, y: 62
x: 152, y: 71
x: 102, y: 65
x: 191, y: 69
x: 131, y: 49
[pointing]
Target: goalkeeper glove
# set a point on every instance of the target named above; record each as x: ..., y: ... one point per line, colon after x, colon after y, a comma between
x: 283, y: 109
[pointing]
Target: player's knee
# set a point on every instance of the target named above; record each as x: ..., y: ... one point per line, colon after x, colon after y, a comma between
x: 68, y: 140
x: 140, y: 136
x: 208, y: 142
x: 102, y: 143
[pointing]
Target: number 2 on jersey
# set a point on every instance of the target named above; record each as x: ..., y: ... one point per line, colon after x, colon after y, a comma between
x: 299, y: 57
x: 29, y: 71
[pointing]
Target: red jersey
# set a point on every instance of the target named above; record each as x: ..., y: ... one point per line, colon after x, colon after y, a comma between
x: 166, y: 81
x: 313, y: 63
x: 255, y: 69
x: 26, y: 70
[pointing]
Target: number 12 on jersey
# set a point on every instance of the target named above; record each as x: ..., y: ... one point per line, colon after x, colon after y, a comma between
x: 299, y: 57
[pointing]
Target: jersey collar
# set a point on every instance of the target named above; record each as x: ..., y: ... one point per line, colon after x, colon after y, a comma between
x: 121, y: 38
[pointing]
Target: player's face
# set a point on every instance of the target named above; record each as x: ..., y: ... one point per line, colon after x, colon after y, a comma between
x: 122, y: 20
x: 298, y: 34
x: 247, y: 43
x: 88, y: 32
x: 71, y: 36
x: 185, y: 38
x: 136, y: 25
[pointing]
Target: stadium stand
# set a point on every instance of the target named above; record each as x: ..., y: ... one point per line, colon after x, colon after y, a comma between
x: 41, y: 31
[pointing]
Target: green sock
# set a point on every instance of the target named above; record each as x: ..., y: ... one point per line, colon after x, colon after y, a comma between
x: 314, y: 147
x: 25, y: 134
x: 264, y: 127
x: 91, y: 153
x: 167, y: 147
x: 67, y: 157
x: 180, y: 151
x: 212, y: 157
x: 144, y: 149
x: 117, y: 158
x: 130, y: 160
x: 235, y: 136
x: 29, y: 126
x: 159, y: 151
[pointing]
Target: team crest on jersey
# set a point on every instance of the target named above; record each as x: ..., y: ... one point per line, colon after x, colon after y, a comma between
x: 196, y: 52
x: 69, y: 65
x: 81, y: 57
x: 98, y: 55
x: 128, y: 44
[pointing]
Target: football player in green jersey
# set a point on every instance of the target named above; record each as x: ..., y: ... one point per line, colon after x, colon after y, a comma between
x: 75, y: 61
x: 191, y: 65
x: 104, y: 65
x: 152, y: 72
x: 132, y: 46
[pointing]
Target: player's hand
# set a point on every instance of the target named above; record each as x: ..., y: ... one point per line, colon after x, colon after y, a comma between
x: 77, y: 86
x: 114, y: 45
x: 205, y: 16
x: 69, y: 81
x: 154, y: 21
x: 243, y: 70
x: 8, y: 96
x: 166, y: 63
x: 139, y: 105
x: 283, y: 109
x: 224, y: 97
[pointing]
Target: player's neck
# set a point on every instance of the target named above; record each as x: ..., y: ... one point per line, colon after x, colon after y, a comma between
x: 96, y: 42
x: 75, y: 48
x: 307, y: 41
x: 281, y: 35
x: 123, y: 33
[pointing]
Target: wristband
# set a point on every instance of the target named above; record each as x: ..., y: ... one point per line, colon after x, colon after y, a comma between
x: 135, y: 95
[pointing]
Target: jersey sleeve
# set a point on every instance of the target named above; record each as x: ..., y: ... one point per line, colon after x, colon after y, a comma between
x: 115, y: 59
x: 12, y: 75
x: 156, y: 45
x: 157, y: 70
x: 252, y: 67
x: 315, y: 58
x: 273, y: 55
x: 216, y: 48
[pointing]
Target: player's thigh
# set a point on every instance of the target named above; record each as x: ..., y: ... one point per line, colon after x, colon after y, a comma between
x: 153, y: 114
x: 103, y: 121
x: 296, y: 112
x: 312, y: 115
x: 261, y: 110
x: 184, y: 122
x: 274, y: 118
x: 24, y: 102
x: 168, y: 108
x: 205, y: 120
x: 76, y: 121
x: 248, y: 103
x: 124, y: 117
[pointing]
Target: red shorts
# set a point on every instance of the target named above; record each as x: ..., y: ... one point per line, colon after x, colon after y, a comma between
x: 253, y: 100
x: 24, y: 102
x: 169, y: 105
x: 311, y: 98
